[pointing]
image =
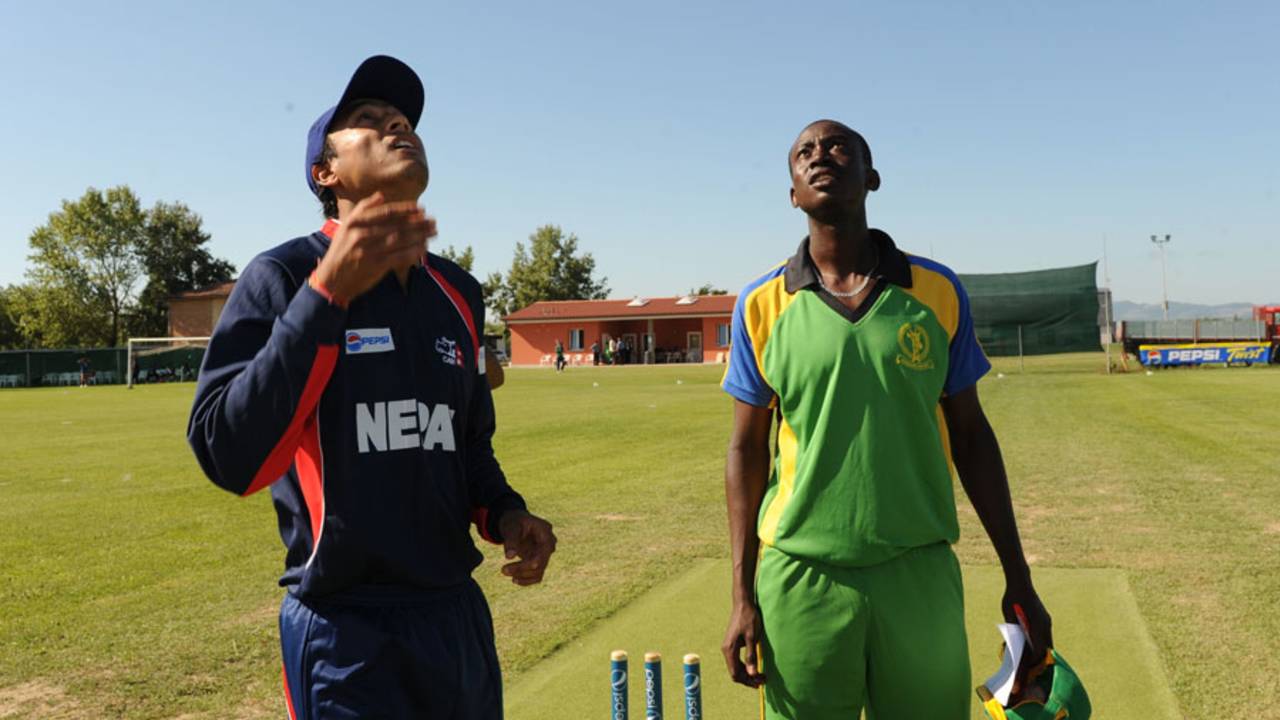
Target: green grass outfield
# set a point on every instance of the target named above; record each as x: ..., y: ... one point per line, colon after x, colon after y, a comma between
x: 1106, y: 642
x: 131, y: 587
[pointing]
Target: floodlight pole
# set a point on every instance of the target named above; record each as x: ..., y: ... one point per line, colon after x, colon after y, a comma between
x: 1164, y: 280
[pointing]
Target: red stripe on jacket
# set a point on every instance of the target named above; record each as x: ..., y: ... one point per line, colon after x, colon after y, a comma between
x: 282, y: 455
x: 309, y: 461
x: 459, y: 303
x: 479, y: 516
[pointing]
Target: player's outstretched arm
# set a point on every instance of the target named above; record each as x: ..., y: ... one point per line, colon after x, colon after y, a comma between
x: 745, y: 476
x: 977, y: 458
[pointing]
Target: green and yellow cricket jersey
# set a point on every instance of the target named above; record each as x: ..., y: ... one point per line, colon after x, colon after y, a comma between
x: 861, y: 470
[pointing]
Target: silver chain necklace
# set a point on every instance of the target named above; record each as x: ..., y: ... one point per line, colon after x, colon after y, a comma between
x: 866, y: 280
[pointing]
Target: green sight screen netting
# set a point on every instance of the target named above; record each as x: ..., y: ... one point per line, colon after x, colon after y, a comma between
x: 1057, y: 310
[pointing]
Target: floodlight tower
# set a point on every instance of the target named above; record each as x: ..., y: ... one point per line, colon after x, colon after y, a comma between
x: 1164, y: 280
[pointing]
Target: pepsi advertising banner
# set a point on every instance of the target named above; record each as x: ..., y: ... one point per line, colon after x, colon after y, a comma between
x: 1227, y: 353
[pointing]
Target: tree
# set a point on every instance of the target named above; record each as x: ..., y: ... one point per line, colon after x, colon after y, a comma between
x: 11, y: 337
x: 464, y: 259
x: 88, y: 260
x: 173, y: 252
x: 52, y: 316
x: 550, y: 269
x: 708, y: 289
x: 85, y: 259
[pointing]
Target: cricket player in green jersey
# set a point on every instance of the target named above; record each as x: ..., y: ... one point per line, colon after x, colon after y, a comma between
x: 843, y: 574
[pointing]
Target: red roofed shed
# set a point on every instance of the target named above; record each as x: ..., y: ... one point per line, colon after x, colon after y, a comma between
x: 671, y: 329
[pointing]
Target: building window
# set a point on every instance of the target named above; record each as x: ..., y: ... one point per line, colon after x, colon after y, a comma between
x: 575, y: 339
x: 722, y: 335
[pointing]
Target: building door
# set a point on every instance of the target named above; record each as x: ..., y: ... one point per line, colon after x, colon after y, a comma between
x: 634, y: 355
x: 694, y: 347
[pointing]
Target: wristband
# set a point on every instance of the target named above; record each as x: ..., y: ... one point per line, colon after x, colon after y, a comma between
x: 325, y: 292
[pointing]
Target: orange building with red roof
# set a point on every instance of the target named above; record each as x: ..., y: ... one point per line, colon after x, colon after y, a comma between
x: 692, y: 328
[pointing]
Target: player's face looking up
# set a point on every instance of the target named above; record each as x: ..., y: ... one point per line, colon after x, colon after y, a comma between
x: 374, y: 149
x: 830, y: 172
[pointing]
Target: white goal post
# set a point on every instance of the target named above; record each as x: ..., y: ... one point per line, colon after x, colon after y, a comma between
x: 148, y: 346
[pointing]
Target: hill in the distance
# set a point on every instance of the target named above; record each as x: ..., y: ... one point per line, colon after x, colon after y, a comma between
x: 1126, y: 310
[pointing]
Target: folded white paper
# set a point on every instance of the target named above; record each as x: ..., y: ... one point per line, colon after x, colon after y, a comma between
x: 1001, y: 684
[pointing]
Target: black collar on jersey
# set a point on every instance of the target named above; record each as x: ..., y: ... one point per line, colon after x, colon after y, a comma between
x: 894, y: 266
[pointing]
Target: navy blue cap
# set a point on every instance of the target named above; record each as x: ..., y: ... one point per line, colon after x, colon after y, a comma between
x: 381, y: 77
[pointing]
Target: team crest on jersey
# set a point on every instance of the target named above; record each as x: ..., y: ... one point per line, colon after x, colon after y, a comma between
x: 449, y: 351
x: 368, y: 340
x: 913, y: 341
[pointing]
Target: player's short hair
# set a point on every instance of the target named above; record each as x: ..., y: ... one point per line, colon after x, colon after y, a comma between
x: 328, y: 201
x: 862, y: 142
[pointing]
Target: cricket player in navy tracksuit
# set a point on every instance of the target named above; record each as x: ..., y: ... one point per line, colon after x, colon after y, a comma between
x: 347, y: 373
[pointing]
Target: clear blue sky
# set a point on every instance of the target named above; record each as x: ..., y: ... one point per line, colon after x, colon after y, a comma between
x: 1010, y: 135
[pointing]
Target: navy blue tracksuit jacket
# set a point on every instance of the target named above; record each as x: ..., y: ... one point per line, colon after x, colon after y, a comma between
x: 371, y: 425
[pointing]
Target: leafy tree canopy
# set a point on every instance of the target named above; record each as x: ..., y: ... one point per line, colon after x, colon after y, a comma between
x: 550, y: 268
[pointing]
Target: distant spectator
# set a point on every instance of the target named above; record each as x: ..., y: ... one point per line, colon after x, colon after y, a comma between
x: 595, y: 353
x: 560, y: 361
x: 85, y: 375
x: 611, y: 351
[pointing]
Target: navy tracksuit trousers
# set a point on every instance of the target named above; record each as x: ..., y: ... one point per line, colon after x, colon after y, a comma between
x: 369, y: 656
